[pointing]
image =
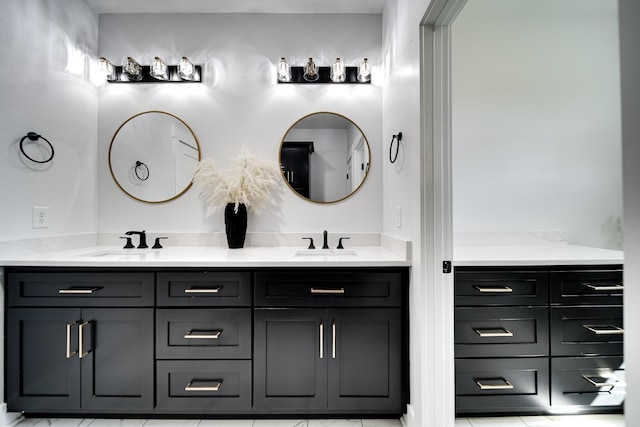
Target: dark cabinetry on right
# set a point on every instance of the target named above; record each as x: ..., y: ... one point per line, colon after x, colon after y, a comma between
x: 294, y: 158
x: 539, y: 339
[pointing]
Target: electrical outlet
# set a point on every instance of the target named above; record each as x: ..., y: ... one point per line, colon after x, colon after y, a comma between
x: 398, y: 216
x: 40, y: 217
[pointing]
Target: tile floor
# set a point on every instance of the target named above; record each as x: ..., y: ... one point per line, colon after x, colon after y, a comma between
x: 540, y: 421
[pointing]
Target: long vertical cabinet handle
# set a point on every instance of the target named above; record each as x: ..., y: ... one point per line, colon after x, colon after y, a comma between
x: 321, y: 340
x: 81, y: 351
x: 70, y: 353
x: 333, y: 340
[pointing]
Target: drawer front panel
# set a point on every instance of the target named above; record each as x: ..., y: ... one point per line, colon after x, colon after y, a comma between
x: 502, y: 385
x: 319, y: 288
x: 587, y: 381
x: 217, y: 386
x: 203, y: 333
x: 501, y: 288
x: 587, y: 287
x: 89, y: 289
x: 501, y: 331
x: 585, y: 331
x: 204, y: 289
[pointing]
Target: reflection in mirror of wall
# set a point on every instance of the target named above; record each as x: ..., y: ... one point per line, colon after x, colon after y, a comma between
x: 325, y: 157
x: 165, y: 145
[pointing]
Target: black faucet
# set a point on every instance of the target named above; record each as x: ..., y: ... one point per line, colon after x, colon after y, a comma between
x: 325, y: 244
x: 143, y: 238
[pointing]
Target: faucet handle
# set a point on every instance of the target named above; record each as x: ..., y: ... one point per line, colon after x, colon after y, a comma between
x: 311, y: 246
x: 157, y: 244
x: 129, y: 244
x: 340, y: 242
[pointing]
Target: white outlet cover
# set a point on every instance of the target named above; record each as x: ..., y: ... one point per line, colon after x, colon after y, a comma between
x: 40, y: 217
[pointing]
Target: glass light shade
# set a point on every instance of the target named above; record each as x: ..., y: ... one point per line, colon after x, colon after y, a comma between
x: 132, y: 69
x: 310, y: 71
x: 186, y: 70
x: 364, y: 71
x: 106, y: 68
x: 284, y: 71
x: 338, y: 71
x: 159, y: 69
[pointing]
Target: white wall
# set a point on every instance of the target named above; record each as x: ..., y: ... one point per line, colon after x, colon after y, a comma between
x: 536, y: 111
x: 630, y: 68
x: 47, y: 51
x: 240, y: 103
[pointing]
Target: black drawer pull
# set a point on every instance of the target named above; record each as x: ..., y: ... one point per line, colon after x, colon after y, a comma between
x: 600, y: 381
x: 75, y: 291
x: 493, y: 289
x: 215, y: 290
x: 493, y: 384
x: 338, y: 291
x: 604, y: 329
x: 604, y: 286
x: 215, y: 387
x: 202, y: 335
x: 494, y: 332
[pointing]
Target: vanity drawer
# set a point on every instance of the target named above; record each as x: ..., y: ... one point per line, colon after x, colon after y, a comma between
x: 501, y: 331
x: 494, y: 287
x: 587, y: 381
x: 323, y: 288
x: 587, y: 287
x: 87, y: 289
x: 502, y: 385
x: 586, y: 331
x: 204, y: 289
x: 203, y: 333
x: 202, y: 386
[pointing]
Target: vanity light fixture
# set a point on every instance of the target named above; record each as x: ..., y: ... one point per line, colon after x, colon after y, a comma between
x: 338, y: 72
x: 284, y: 71
x: 159, y: 69
x: 158, y: 72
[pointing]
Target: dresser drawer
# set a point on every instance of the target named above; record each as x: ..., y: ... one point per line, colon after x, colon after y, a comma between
x: 587, y: 381
x: 479, y: 287
x: 204, y: 289
x: 322, y: 288
x: 584, y: 331
x: 597, y: 287
x: 87, y: 289
x: 501, y: 331
x: 502, y: 385
x: 203, y: 386
x: 203, y: 333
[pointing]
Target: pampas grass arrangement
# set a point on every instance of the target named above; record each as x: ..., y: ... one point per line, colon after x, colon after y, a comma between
x: 248, y: 181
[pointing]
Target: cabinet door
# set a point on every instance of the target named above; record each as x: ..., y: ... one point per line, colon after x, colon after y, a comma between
x: 43, y: 375
x: 117, y: 372
x: 290, y: 360
x: 364, y: 369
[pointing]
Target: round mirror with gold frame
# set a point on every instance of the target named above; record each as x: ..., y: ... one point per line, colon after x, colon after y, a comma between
x: 152, y: 156
x: 325, y: 157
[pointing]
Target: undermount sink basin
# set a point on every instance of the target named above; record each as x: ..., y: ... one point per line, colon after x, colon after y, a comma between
x: 325, y: 252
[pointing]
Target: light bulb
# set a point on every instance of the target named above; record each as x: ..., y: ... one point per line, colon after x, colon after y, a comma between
x: 159, y: 69
x: 310, y: 71
x: 284, y: 71
x: 186, y: 70
x: 338, y: 71
x: 364, y: 71
x: 132, y: 69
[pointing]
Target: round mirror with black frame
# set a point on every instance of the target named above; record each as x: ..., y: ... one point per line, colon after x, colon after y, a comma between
x: 325, y: 157
x: 153, y: 155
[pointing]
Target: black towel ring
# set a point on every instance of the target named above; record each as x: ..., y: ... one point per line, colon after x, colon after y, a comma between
x: 397, y: 138
x: 143, y: 168
x: 34, y: 137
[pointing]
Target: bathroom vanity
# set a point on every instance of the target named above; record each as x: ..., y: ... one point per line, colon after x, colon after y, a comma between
x: 542, y: 333
x: 289, y: 336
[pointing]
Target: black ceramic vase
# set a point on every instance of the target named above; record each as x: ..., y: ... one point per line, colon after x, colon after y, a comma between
x: 235, y: 225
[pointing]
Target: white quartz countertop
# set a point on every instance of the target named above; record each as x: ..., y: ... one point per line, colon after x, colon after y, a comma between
x: 203, y: 256
x: 537, y: 254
